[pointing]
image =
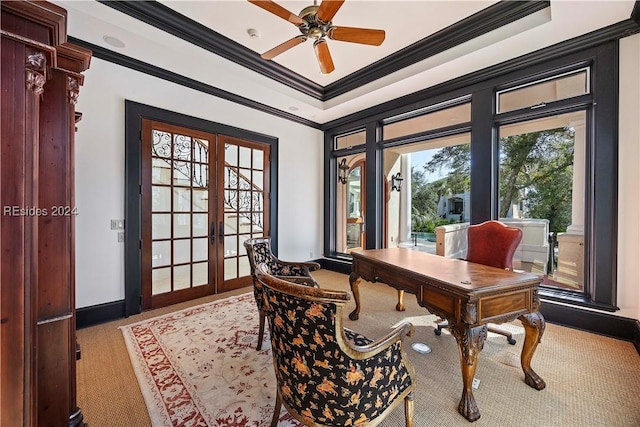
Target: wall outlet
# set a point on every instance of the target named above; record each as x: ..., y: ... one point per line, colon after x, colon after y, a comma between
x: 476, y: 383
x: 121, y: 237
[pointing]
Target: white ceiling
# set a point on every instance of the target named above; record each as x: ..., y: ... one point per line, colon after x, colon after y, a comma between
x: 405, y: 22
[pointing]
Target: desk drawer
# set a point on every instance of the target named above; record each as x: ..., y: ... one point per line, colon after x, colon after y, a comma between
x: 504, y: 306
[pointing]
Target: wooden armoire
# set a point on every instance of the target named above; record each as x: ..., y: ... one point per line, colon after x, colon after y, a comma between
x: 41, y: 77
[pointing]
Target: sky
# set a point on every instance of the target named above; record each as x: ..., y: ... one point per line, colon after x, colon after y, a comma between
x: 420, y: 158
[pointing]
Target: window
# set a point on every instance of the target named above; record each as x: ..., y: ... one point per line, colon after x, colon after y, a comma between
x: 432, y: 120
x: 350, y: 204
x: 436, y: 190
x: 539, y: 93
x: 542, y: 188
x: 350, y: 140
x: 547, y: 103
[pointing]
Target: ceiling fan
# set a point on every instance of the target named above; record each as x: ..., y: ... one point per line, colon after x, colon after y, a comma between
x: 315, y: 22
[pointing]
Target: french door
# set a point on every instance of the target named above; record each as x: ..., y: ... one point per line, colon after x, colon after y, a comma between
x: 202, y: 195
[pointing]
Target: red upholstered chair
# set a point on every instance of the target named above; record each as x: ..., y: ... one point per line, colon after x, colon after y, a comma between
x: 491, y: 243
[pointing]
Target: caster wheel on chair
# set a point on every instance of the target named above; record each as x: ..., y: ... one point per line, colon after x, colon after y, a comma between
x: 437, y: 332
x: 511, y: 341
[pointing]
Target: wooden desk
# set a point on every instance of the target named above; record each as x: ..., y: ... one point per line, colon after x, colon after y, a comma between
x: 468, y: 295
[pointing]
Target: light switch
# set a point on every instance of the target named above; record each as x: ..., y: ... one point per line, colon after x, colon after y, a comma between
x: 117, y: 224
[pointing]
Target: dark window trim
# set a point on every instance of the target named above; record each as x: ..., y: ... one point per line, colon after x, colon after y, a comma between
x: 134, y: 112
x: 452, y: 88
x: 443, y: 91
x: 601, y: 213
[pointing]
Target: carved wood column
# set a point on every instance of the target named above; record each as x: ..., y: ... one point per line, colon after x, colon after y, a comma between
x: 24, y: 72
x: 40, y: 81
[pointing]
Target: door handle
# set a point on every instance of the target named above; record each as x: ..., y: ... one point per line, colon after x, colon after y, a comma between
x: 212, y: 233
x: 220, y: 231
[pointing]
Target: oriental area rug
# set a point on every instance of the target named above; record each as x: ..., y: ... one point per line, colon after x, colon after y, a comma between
x: 200, y: 367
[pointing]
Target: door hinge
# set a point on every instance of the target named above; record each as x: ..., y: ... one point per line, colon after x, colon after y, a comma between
x: 140, y: 244
x: 140, y: 188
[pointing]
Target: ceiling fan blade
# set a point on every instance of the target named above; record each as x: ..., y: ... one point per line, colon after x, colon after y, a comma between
x: 278, y: 10
x: 272, y: 53
x: 328, y: 9
x: 357, y: 35
x: 324, y: 57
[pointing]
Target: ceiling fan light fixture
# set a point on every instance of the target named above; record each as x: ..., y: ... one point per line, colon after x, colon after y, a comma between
x: 253, y: 33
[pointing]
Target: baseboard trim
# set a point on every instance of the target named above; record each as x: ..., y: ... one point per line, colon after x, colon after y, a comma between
x: 101, y: 313
x: 337, y: 265
x: 591, y: 321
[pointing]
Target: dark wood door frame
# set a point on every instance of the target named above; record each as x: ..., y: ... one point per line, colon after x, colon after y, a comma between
x: 134, y: 113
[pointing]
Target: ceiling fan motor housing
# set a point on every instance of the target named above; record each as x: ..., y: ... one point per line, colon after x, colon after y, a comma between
x: 313, y: 28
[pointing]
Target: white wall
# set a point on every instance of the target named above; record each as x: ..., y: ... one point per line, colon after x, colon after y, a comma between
x: 100, y: 171
x: 629, y: 180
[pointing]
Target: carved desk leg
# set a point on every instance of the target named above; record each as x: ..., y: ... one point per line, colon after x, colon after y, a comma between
x: 470, y: 343
x: 534, y: 328
x: 400, y: 305
x: 354, y: 281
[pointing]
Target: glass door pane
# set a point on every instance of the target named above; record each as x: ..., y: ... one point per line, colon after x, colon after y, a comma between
x: 435, y: 191
x: 542, y: 191
x: 179, y: 170
x: 245, y: 185
x: 350, y: 203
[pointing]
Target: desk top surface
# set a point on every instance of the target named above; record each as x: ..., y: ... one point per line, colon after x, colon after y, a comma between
x: 449, y: 272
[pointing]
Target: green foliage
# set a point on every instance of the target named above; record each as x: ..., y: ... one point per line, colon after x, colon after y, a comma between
x: 456, y: 159
x: 427, y: 224
x: 536, y: 171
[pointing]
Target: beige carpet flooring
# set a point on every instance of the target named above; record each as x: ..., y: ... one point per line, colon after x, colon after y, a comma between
x: 591, y: 380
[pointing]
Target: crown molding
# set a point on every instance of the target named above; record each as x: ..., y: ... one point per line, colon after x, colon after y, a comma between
x: 166, y: 19
x: 478, y: 24
x: 161, y: 73
x: 612, y: 32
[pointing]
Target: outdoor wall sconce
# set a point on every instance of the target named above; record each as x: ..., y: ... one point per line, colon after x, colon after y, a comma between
x: 343, y: 171
x: 396, y: 182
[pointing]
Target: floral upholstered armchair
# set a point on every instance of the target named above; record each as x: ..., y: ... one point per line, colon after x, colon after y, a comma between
x: 328, y: 375
x: 259, y: 251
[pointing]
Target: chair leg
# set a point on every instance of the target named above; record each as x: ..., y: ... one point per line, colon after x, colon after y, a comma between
x: 262, y: 315
x: 507, y: 334
x: 408, y: 409
x: 440, y: 326
x: 276, y: 411
x: 400, y: 304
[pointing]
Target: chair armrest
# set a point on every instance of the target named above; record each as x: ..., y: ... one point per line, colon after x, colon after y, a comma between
x: 300, y: 280
x: 380, y: 345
